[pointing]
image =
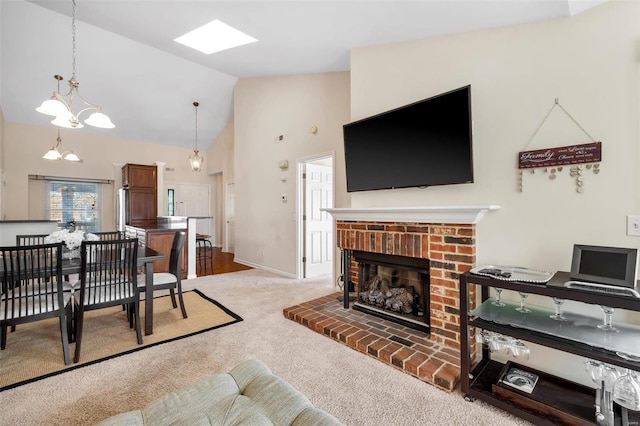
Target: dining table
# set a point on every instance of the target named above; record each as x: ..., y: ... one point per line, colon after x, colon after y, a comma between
x: 146, y: 257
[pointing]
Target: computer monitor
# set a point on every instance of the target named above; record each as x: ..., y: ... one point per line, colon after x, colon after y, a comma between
x: 605, y: 265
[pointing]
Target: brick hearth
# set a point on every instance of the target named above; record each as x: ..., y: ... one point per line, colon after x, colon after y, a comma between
x: 401, y: 347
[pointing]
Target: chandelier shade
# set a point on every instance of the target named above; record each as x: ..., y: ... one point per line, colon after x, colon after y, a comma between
x: 52, y: 154
x: 52, y: 107
x: 99, y: 119
x: 196, y: 159
x: 61, y: 105
x: 67, y: 120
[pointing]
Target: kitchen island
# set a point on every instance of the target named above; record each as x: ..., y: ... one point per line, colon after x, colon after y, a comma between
x: 160, y: 237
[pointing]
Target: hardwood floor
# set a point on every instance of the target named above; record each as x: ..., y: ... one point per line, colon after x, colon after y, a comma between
x: 222, y: 263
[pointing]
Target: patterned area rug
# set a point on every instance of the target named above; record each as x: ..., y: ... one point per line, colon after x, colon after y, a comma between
x: 34, y: 350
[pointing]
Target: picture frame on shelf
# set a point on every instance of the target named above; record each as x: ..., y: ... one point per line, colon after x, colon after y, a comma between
x: 520, y: 379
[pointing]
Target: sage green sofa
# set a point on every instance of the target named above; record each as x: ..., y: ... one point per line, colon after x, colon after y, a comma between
x: 248, y: 395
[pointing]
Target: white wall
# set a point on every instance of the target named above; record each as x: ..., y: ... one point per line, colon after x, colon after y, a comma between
x: 2, y: 157
x: 219, y: 163
x: 264, y: 109
x: 589, y: 62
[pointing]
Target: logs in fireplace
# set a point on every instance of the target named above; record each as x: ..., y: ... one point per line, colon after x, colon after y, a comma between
x: 379, y: 292
x: 392, y: 287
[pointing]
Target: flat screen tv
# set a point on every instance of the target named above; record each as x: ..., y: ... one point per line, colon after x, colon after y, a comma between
x: 422, y: 144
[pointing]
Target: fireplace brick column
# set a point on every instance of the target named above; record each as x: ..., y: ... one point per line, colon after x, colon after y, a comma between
x: 450, y: 248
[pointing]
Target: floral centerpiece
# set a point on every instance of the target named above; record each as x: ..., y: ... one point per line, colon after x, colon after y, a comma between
x: 71, y: 241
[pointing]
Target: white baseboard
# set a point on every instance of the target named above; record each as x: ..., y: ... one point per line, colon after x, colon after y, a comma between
x: 264, y: 268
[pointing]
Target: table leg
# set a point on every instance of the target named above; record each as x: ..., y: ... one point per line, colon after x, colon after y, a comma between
x: 148, y: 298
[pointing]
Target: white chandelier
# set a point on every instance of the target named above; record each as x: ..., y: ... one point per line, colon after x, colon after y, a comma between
x: 58, y: 152
x: 196, y: 159
x: 59, y: 105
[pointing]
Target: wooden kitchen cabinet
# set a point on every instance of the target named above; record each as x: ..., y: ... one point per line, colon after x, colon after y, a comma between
x: 139, y: 176
x: 141, y: 181
x: 143, y: 207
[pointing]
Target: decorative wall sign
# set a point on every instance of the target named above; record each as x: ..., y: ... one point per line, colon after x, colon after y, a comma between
x: 563, y: 155
x: 551, y: 160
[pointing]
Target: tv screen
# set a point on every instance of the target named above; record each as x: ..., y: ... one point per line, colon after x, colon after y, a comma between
x: 422, y: 144
x: 605, y: 265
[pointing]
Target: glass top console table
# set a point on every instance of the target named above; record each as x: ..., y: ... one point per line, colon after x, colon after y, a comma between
x: 578, y: 335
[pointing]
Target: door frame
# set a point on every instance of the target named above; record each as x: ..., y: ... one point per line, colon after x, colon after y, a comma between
x: 300, y: 207
x: 225, y: 246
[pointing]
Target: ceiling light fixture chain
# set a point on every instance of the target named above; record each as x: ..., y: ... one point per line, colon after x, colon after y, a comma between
x: 59, y: 105
x: 73, y: 40
x: 195, y: 104
x: 196, y: 159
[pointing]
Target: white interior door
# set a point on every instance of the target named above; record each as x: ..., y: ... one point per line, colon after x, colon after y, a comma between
x: 229, y: 213
x: 318, y: 224
x: 193, y: 200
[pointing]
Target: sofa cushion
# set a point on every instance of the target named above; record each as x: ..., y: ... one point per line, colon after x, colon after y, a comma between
x: 190, y: 402
x: 238, y: 410
x: 277, y: 399
x: 249, y: 395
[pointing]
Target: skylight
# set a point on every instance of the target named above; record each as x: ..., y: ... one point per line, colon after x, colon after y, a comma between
x: 214, y: 37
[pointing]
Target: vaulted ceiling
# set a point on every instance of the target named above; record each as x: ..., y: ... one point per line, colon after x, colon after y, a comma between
x: 127, y: 61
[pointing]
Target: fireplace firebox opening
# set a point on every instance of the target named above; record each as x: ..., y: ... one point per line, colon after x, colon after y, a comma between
x: 395, y: 288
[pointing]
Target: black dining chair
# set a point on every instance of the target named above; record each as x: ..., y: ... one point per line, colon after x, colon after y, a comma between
x: 171, y: 280
x: 32, y: 289
x: 30, y: 240
x: 36, y: 239
x: 108, y: 277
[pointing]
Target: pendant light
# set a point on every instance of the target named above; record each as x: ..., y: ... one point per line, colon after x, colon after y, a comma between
x: 59, y: 152
x: 60, y: 106
x: 196, y: 159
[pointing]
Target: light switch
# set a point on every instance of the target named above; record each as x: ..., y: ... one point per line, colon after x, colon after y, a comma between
x: 633, y: 225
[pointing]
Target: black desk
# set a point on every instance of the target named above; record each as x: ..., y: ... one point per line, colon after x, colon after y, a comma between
x: 146, y: 257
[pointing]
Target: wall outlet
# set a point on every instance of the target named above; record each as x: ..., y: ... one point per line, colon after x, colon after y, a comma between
x: 633, y: 225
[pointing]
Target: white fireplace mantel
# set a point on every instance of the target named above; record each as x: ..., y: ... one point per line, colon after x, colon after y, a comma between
x: 431, y: 214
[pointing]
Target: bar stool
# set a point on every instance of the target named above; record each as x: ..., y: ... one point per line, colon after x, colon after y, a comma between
x: 204, y: 251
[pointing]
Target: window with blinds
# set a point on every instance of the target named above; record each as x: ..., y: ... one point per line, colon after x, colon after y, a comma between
x: 79, y: 202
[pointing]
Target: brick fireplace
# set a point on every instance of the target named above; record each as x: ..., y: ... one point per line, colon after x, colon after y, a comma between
x: 443, y: 236
x: 450, y: 249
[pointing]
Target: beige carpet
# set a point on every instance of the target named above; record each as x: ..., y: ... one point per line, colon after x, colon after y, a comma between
x: 34, y: 350
x: 355, y: 388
